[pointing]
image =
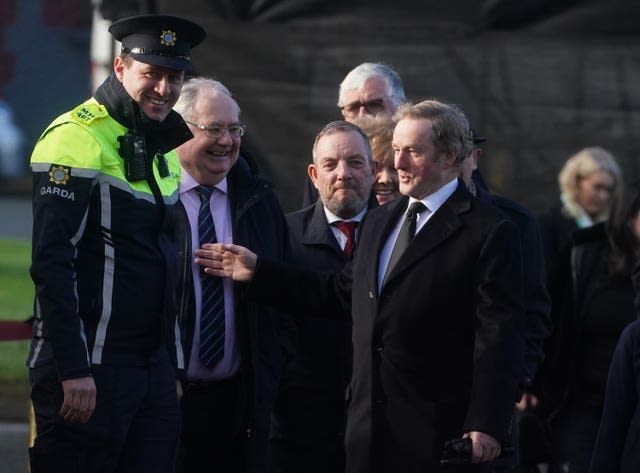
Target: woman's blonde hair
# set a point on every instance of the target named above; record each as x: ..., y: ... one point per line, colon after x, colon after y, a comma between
x: 582, y: 164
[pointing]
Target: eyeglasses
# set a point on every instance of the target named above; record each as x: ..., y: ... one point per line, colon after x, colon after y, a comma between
x: 235, y: 130
x: 372, y: 106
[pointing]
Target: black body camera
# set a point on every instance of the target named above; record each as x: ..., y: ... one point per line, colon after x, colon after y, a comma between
x: 133, y: 150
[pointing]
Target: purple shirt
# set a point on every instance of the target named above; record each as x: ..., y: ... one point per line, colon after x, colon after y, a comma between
x: 221, y: 212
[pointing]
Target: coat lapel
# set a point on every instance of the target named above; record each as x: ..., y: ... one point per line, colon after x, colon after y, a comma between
x: 377, y: 226
x: 318, y: 232
x: 439, y: 228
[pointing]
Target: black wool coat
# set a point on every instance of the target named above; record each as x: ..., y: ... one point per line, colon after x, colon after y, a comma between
x: 438, y: 351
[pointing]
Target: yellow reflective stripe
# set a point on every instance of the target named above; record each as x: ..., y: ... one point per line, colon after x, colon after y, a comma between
x: 91, y: 142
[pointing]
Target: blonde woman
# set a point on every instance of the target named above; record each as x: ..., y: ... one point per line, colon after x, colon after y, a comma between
x: 588, y: 182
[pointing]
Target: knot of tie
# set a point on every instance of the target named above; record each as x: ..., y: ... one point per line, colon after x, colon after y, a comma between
x: 415, y: 209
x: 349, y: 230
x: 204, y: 192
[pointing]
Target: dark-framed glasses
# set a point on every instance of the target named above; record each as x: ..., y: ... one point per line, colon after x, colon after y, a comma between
x: 215, y: 130
x: 373, y: 107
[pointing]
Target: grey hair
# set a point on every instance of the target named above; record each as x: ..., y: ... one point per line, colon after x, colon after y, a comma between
x: 341, y: 126
x: 357, y: 77
x: 195, y: 86
x: 450, y: 126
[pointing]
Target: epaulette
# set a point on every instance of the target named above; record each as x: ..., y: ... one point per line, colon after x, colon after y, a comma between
x: 87, y: 112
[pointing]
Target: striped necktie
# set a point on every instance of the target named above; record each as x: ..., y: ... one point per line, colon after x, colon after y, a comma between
x: 212, y: 309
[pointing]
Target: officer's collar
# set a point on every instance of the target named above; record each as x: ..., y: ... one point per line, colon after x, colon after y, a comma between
x: 168, y: 134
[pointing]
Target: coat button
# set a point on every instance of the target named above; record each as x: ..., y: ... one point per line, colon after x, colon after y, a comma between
x: 370, y: 294
x: 379, y: 348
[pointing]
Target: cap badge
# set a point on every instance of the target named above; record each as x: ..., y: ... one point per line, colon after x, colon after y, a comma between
x: 168, y: 38
x: 59, y: 174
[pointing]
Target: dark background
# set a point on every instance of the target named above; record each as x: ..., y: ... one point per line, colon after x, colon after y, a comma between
x: 541, y: 79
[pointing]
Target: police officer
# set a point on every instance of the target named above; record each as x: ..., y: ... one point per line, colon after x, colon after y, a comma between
x: 105, y: 354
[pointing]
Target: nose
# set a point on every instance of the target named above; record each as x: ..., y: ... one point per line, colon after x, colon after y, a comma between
x: 225, y: 138
x: 362, y: 111
x: 399, y: 159
x: 384, y: 176
x: 163, y: 86
x: 344, y: 170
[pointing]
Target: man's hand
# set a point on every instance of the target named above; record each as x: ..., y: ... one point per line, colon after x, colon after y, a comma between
x: 79, y: 399
x: 484, y: 447
x: 527, y: 401
x: 226, y: 260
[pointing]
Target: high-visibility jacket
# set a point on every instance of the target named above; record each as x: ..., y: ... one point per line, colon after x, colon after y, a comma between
x: 103, y: 261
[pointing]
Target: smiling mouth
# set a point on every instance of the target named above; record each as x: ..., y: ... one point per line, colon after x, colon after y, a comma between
x: 158, y: 101
x: 218, y: 154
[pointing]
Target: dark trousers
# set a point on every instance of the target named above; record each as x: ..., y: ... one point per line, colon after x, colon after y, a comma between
x: 573, y: 434
x: 134, y: 427
x: 210, y: 431
x: 307, y: 435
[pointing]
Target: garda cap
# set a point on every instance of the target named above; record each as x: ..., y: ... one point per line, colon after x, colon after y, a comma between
x: 160, y: 40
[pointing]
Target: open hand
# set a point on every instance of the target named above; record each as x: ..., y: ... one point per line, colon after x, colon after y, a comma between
x: 227, y: 260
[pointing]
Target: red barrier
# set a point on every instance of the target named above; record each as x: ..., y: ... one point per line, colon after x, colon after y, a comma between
x: 14, y: 330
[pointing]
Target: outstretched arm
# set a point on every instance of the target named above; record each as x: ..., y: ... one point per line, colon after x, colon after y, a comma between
x: 227, y: 260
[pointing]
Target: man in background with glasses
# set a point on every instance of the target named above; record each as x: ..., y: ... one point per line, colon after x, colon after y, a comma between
x: 234, y: 350
x: 368, y: 89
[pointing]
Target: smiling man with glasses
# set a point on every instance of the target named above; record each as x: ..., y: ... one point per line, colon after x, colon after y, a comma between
x: 233, y: 349
x: 216, y: 130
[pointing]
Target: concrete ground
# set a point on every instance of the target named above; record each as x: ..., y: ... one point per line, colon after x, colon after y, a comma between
x: 14, y: 428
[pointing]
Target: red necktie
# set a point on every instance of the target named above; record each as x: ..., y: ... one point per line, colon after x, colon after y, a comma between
x: 349, y: 229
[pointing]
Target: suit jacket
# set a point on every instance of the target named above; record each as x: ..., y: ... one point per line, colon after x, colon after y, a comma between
x: 310, y: 410
x: 438, y: 351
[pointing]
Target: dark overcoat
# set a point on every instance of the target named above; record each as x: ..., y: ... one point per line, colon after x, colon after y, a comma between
x: 439, y: 349
x: 307, y: 429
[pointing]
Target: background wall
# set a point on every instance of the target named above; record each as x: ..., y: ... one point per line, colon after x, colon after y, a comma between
x: 540, y: 78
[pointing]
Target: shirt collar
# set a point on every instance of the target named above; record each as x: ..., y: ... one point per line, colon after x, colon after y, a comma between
x: 435, y: 200
x: 188, y: 182
x: 331, y: 217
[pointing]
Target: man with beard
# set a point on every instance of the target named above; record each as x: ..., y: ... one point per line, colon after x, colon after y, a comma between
x: 309, y: 416
x: 370, y: 89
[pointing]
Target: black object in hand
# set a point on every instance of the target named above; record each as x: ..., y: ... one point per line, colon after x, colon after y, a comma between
x: 460, y: 451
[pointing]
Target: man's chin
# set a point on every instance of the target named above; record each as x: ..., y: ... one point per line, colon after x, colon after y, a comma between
x: 156, y: 113
x: 346, y: 209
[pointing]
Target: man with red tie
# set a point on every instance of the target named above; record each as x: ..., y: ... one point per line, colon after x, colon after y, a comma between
x: 307, y: 432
